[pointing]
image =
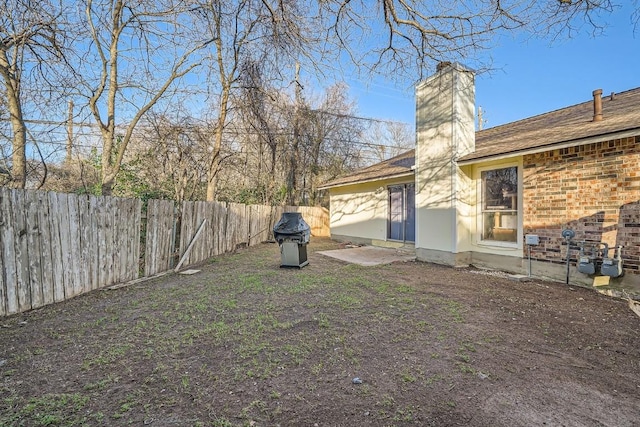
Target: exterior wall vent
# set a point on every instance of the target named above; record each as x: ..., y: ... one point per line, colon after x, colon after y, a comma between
x: 597, y: 105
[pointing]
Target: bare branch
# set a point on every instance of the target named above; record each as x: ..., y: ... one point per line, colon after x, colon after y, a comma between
x: 408, y: 37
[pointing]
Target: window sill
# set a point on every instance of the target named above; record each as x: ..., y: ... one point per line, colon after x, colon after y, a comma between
x: 498, y: 244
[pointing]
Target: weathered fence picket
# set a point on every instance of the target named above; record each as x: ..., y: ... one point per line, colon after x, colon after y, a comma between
x: 63, y: 233
x: 99, y: 222
x: 55, y: 243
x: 160, y: 237
x: 8, y: 254
x: 35, y: 250
x: 46, y: 261
x: 95, y: 222
x: 21, y: 249
x: 55, y: 246
x: 3, y: 306
x: 220, y: 230
x: 85, y: 243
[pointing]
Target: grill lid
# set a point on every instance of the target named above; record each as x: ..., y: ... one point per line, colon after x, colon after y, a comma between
x: 292, y: 227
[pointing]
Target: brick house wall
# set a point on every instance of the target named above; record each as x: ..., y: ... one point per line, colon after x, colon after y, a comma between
x: 593, y: 189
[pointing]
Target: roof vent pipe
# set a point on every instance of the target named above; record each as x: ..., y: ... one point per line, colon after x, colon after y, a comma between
x: 597, y: 105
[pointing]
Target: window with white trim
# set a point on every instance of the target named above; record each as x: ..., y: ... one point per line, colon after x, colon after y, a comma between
x: 500, y: 204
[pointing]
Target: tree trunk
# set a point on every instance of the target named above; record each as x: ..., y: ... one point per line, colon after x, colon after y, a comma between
x: 106, y: 189
x: 109, y: 170
x: 212, y: 179
x: 18, y: 158
x: 292, y: 190
x: 216, y: 159
x: 18, y: 126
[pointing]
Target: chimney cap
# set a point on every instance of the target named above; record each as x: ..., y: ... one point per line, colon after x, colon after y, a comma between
x: 443, y: 64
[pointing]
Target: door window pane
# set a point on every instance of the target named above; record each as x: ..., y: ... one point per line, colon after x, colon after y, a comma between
x: 396, y: 213
x: 410, y: 220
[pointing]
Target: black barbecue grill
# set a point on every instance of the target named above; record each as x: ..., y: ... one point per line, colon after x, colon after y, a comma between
x: 292, y: 234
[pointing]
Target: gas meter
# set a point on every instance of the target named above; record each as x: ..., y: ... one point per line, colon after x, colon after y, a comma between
x: 586, y: 264
x: 612, y: 266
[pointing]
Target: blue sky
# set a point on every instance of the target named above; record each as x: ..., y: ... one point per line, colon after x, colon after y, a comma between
x: 531, y: 76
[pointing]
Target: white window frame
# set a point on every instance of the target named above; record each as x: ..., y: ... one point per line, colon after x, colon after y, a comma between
x: 480, y: 203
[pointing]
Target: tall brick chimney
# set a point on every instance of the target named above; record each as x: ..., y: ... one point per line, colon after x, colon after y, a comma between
x: 597, y: 105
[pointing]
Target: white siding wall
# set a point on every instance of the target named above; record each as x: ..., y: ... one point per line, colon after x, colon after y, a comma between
x: 361, y: 210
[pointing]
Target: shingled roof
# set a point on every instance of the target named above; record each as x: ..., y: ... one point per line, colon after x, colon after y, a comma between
x: 397, y: 166
x: 568, y: 126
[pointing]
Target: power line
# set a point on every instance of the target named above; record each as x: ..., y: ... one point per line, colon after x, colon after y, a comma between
x: 352, y: 116
x: 316, y: 110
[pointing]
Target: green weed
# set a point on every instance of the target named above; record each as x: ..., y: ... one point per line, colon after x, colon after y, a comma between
x: 275, y: 395
x: 107, y: 356
x: 346, y: 301
x: 433, y: 379
x: 387, y: 401
x: 316, y: 369
x: 454, y: 308
x: 323, y: 321
x: 125, y: 406
x: 465, y: 368
x: 48, y: 410
x: 102, y: 384
x: 404, y: 414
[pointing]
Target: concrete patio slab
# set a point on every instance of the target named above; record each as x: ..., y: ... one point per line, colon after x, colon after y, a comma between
x: 370, y: 255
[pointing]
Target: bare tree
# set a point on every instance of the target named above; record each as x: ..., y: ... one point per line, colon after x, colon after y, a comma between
x: 31, y: 40
x: 386, y: 139
x: 245, y: 31
x: 134, y: 55
x: 291, y: 142
x: 330, y: 142
x: 406, y: 38
x: 138, y: 51
x: 169, y: 156
x: 261, y: 114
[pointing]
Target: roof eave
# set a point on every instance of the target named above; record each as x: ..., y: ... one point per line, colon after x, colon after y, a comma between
x: 364, y: 181
x: 553, y: 146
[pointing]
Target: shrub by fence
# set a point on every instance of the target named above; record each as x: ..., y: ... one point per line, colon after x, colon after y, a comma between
x: 56, y: 246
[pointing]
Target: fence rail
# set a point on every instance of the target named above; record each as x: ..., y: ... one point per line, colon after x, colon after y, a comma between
x: 55, y: 246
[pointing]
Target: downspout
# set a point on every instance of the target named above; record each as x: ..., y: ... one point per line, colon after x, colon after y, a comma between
x: 454, y: 149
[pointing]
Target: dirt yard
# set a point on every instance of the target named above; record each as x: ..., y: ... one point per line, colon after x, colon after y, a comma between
x: 246, y: 343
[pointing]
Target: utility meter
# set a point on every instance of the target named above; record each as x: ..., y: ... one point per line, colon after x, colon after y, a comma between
x: 532, y: 239
x: 586, y: 263
x: 568, y: 234
x: 612, y: 267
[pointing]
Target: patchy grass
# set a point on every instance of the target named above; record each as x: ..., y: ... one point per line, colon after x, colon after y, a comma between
x: 49, y: 410
x: 246, y: 343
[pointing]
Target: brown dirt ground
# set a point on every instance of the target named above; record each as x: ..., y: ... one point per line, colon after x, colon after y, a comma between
x: 245, y: 342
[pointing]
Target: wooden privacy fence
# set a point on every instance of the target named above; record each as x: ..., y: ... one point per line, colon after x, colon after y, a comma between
x: 56, y: 246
